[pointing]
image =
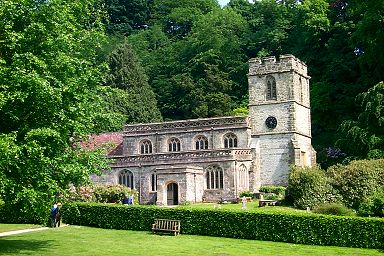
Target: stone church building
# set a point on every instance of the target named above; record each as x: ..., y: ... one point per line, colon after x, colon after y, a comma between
x: 208, y: 159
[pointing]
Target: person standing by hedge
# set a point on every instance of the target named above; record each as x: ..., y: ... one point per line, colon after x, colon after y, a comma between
x: 58, y: 215
x: 131, y: 200
x: 54, y: 211
x: 125, y: 200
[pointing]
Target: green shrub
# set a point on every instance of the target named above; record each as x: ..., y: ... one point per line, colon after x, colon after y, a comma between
x: 373, y: 205
x: 293, y: 228
x: 273, y: 192
x: 278, y: 190
x: 246, y: 194
x: 309, y: 187
x: 358, y: 180
x: 334, y: 209
x: 272, y: 196
x: 27, y: 209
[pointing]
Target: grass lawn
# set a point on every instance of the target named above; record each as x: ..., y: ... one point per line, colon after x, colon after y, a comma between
x: 76, y: 240
x: 12, y: 227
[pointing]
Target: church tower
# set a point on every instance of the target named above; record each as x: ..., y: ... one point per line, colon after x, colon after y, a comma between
x: 279, y: 108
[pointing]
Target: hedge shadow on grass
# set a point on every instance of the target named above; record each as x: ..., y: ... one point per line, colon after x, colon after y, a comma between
x: 16, y: 246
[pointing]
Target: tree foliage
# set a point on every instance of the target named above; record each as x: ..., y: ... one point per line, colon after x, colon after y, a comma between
x: 202, y: 74
x: 309, y: 187
x: 49, y: 84
x: 133, y: 97
x: 351, y: 184
x: 208, y: 47
x: 357, y: 180
x: 124, y: 16
x: 368, y: 37
x: 373, y: 205
x: 364, y: 138
x: 187, y: 57
x: 178, y: 17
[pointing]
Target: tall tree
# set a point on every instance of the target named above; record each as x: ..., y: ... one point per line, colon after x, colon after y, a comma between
x: 127, y: 74
x: 368, y: 38
x: 269, y: 24
x: 177, y: 17
x: 126, y: 16
x: 48, y: 99
x: 364, y: 137
x: 204, y: 72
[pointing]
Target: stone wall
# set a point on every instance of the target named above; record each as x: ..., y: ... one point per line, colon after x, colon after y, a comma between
x: 303, y: 120
x: 188, y: 177
x: 276, y: 156
x: 283, y: 113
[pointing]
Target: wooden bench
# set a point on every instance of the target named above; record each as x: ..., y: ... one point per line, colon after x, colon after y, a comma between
x: 164, y: 225
x: 267, y: 202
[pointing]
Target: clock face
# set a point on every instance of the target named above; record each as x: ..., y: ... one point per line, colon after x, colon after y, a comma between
x: 271, y: 122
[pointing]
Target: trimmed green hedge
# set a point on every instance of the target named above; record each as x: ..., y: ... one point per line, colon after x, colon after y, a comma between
x: 293, y: 228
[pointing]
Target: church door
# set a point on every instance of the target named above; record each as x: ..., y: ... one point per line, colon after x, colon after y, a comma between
x: 172, y: 194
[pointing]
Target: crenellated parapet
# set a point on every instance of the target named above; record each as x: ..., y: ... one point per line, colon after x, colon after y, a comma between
x: 269, y: 65
x: 201, y: 123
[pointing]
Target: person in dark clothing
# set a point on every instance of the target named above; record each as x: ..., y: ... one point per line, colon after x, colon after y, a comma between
x: 54, y: 211
x: 131, y: 200
x: 58, y: 215
x: 125, y: 200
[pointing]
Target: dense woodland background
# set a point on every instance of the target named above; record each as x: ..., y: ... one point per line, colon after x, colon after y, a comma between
x: 70, y: 68
x: 195, y: 54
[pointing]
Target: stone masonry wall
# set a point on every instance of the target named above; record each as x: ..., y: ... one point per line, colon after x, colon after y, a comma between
x: 275, y: 151
x: 282, y: 111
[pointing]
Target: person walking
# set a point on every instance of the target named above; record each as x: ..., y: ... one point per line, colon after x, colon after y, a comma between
x: 58, y: 215
x: 54, y: 211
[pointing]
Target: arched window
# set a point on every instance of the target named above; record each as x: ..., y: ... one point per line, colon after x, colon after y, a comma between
x: 230, y: 140
x: 153, y: 181
x: 214, y: 176
x: 201, y: 142
x: 174, y: 145
x: 126, y: 178
x: 146, y: 147
x: 243, y: 177
x: 271, y: 88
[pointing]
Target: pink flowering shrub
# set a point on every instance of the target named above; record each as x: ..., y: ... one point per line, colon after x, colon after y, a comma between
x: 99, y: 193
x: 107, y: 141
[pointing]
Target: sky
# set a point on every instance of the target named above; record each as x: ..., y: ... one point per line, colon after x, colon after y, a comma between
x: 223, y: 2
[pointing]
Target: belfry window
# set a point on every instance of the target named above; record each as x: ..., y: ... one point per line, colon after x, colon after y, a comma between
x: 174, y: 145
x: 145, y: 147
x: 201, y: 142
x: 271, y: 88
x: 214, y: 177
x: 230, y: 141
x: 126, y: 178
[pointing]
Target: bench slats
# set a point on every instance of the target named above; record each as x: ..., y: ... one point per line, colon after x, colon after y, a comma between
x: 267, y: 202
x: 166, y: 225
